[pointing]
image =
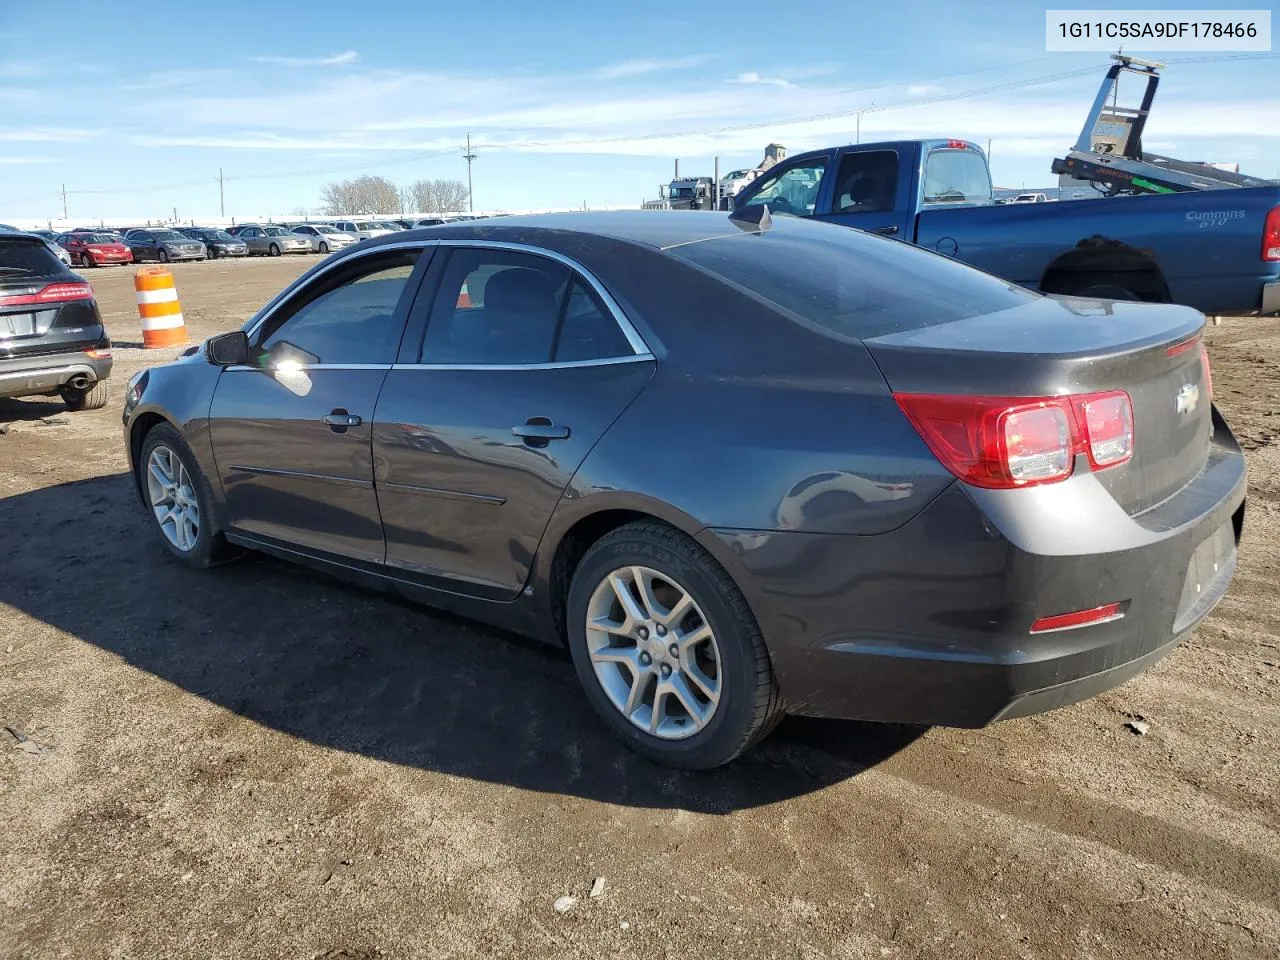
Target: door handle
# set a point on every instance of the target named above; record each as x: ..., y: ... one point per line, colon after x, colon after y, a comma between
x: 888, y: 231
x: 339, y: 420
x: 536, y: 431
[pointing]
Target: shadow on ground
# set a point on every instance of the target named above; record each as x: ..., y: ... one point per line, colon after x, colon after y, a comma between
x: 31, y: 408
x: 349, y: 669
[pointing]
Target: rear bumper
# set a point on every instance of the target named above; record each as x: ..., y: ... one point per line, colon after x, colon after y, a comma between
x: 35, y: 376
x: 930, y: 623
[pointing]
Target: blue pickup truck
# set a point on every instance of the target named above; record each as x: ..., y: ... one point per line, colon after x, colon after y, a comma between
x: 1215, y: 250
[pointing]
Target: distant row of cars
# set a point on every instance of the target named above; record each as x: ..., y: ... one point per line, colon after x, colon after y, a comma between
x: 100, y: 247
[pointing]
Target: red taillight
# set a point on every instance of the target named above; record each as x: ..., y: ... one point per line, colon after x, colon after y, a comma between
x: 97, y: 353
x: 1081, y: 618
x: 1183, y: 347
x: 1208, y: 374
x: 53, y: 293
x: 1271, y: 235
x: 1006, y: 442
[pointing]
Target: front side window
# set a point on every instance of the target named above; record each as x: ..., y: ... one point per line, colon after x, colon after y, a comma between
x: 343, y: 318
x: 956, y: 176
x: 794, y: 190
x: 509, y: 308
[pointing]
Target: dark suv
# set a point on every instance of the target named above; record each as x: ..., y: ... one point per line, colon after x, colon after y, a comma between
x: 52, y: 342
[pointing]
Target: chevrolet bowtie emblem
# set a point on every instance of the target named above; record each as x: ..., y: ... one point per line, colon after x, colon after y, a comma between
x: 1187, y: 398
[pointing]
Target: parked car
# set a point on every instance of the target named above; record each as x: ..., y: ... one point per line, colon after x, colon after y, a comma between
x: 470, y: 416
x: 366, y: 230
x: 322, y: 237
x: 735, y: 180
x: 52, y: 342
x: 8, y: 228
x: 273, y: 241
x: 402, y: 223
x: 429, y: 222
x: 217, y: 243
x: 1215, y: 250
x: 163, y: 245
x: 95, y: 249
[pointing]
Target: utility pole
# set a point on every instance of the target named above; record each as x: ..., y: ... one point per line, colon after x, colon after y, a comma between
x: 988, y: 151
x: 677, y: 176
x: 715, y: 186
x: 222, y: 203
x: 469, y: 156
x: 64, y: 201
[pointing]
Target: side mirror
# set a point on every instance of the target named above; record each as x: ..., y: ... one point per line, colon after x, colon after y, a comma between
x: 228, y: 349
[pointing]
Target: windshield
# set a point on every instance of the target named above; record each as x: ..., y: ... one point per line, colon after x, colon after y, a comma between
x: 327, y: 230
x: 380, y: 225
x: 736, y: 175
x: 170, y: 235
x: 97, y: 238
x: 853, y: 284
x: 275, y: 232
x: 956, y: 176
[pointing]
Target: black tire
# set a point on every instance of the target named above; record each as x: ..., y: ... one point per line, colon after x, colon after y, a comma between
x: 213, y: 254
x: 750, y: 705
x: 273, y: 250
x: 162, y: 255
x: 211, y: 546
x: 1109, y: 291
x: 84, y: 260
x: 324, y: 247
x: 92, y: 397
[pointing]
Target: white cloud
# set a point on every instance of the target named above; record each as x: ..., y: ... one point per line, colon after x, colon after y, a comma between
x: 334, y: 60
x: 26, y: 69
x: 639, y: 67
x: 751, y: 77
x: 46, y: 134
x: 20, y: 159
x: 925, y: 90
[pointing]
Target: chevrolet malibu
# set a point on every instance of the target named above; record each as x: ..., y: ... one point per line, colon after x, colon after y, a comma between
x: 739, y: 469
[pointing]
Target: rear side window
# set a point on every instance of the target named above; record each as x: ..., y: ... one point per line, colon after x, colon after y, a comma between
x: 867, y: 182
x: 848, y: 282
x: 27, y: 258
x: 956, y: 176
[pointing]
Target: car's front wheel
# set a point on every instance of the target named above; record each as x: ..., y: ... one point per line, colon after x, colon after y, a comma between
x: 84, y: 260
x: 324, y: 247
x: 179, y: 499
x: 162, y: 255
x: 273, y: 250
x: 667, y: 649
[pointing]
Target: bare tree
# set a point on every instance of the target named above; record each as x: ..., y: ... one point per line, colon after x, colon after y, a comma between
x: 363, y: 195
x: 438, y: 196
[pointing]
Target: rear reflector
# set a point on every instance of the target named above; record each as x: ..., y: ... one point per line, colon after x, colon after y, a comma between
x: 98, y: 353
x: 53, y: 293
x: 1006, y: 442
x: 1081, y: 618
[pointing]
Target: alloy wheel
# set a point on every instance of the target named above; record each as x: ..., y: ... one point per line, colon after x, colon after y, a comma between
x: 173, y: 498
x: 654, y: 652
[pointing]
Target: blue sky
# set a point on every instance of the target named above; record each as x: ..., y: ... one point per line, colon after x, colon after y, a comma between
x: 569, y: 103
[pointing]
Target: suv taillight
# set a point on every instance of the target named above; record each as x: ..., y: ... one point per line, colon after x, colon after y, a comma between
x: 1271, y: 235
x: 1006, y: 442
x: 53, y: 293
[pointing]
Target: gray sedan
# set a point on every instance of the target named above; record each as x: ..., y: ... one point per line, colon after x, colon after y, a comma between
x: 164, y: 245
x: 908, y: 492
x: 273, y: 241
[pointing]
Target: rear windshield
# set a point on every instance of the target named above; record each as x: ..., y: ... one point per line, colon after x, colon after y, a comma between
x: 956, y: 176
x: 27, y: 258
x: 855, y: 285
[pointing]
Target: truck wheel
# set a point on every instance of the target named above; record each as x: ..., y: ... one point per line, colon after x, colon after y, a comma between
x: 1109, y: 291
x: 92, y: 397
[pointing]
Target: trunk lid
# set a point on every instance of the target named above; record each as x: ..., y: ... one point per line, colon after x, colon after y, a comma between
x: 36, y: 328
x: 1055, y: 346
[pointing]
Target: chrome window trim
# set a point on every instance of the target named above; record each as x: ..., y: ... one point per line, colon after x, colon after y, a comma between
x: 619, y: 315
x: 305, y: 280
x: 244, y: 367
x: 559, y: 365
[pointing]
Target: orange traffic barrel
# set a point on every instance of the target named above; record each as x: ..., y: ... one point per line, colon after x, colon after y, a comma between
x: 464, y: 298
x: 158, y: 308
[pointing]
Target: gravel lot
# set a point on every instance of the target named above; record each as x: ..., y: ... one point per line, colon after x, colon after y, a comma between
x: 261, y: 762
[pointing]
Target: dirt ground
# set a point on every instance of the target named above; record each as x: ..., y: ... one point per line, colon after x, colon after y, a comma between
x: 259, y: 762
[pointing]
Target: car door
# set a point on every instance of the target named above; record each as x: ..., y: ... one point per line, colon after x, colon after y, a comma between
x: 143, y: 244
x: 524, y: 363
x: 869, y: 193
x: 794, y: 187
x: 291, y: 429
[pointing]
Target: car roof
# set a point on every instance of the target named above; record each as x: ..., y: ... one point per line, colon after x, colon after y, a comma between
x: 651, y: 228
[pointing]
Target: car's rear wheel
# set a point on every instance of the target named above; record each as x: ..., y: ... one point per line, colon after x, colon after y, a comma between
x: 180, y: 500
x: 667, y: 649
x: 162, y: 255
x: 324, y: 247
x: 92, y: 397
x: 213, y: 253
x: 273, y: 250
